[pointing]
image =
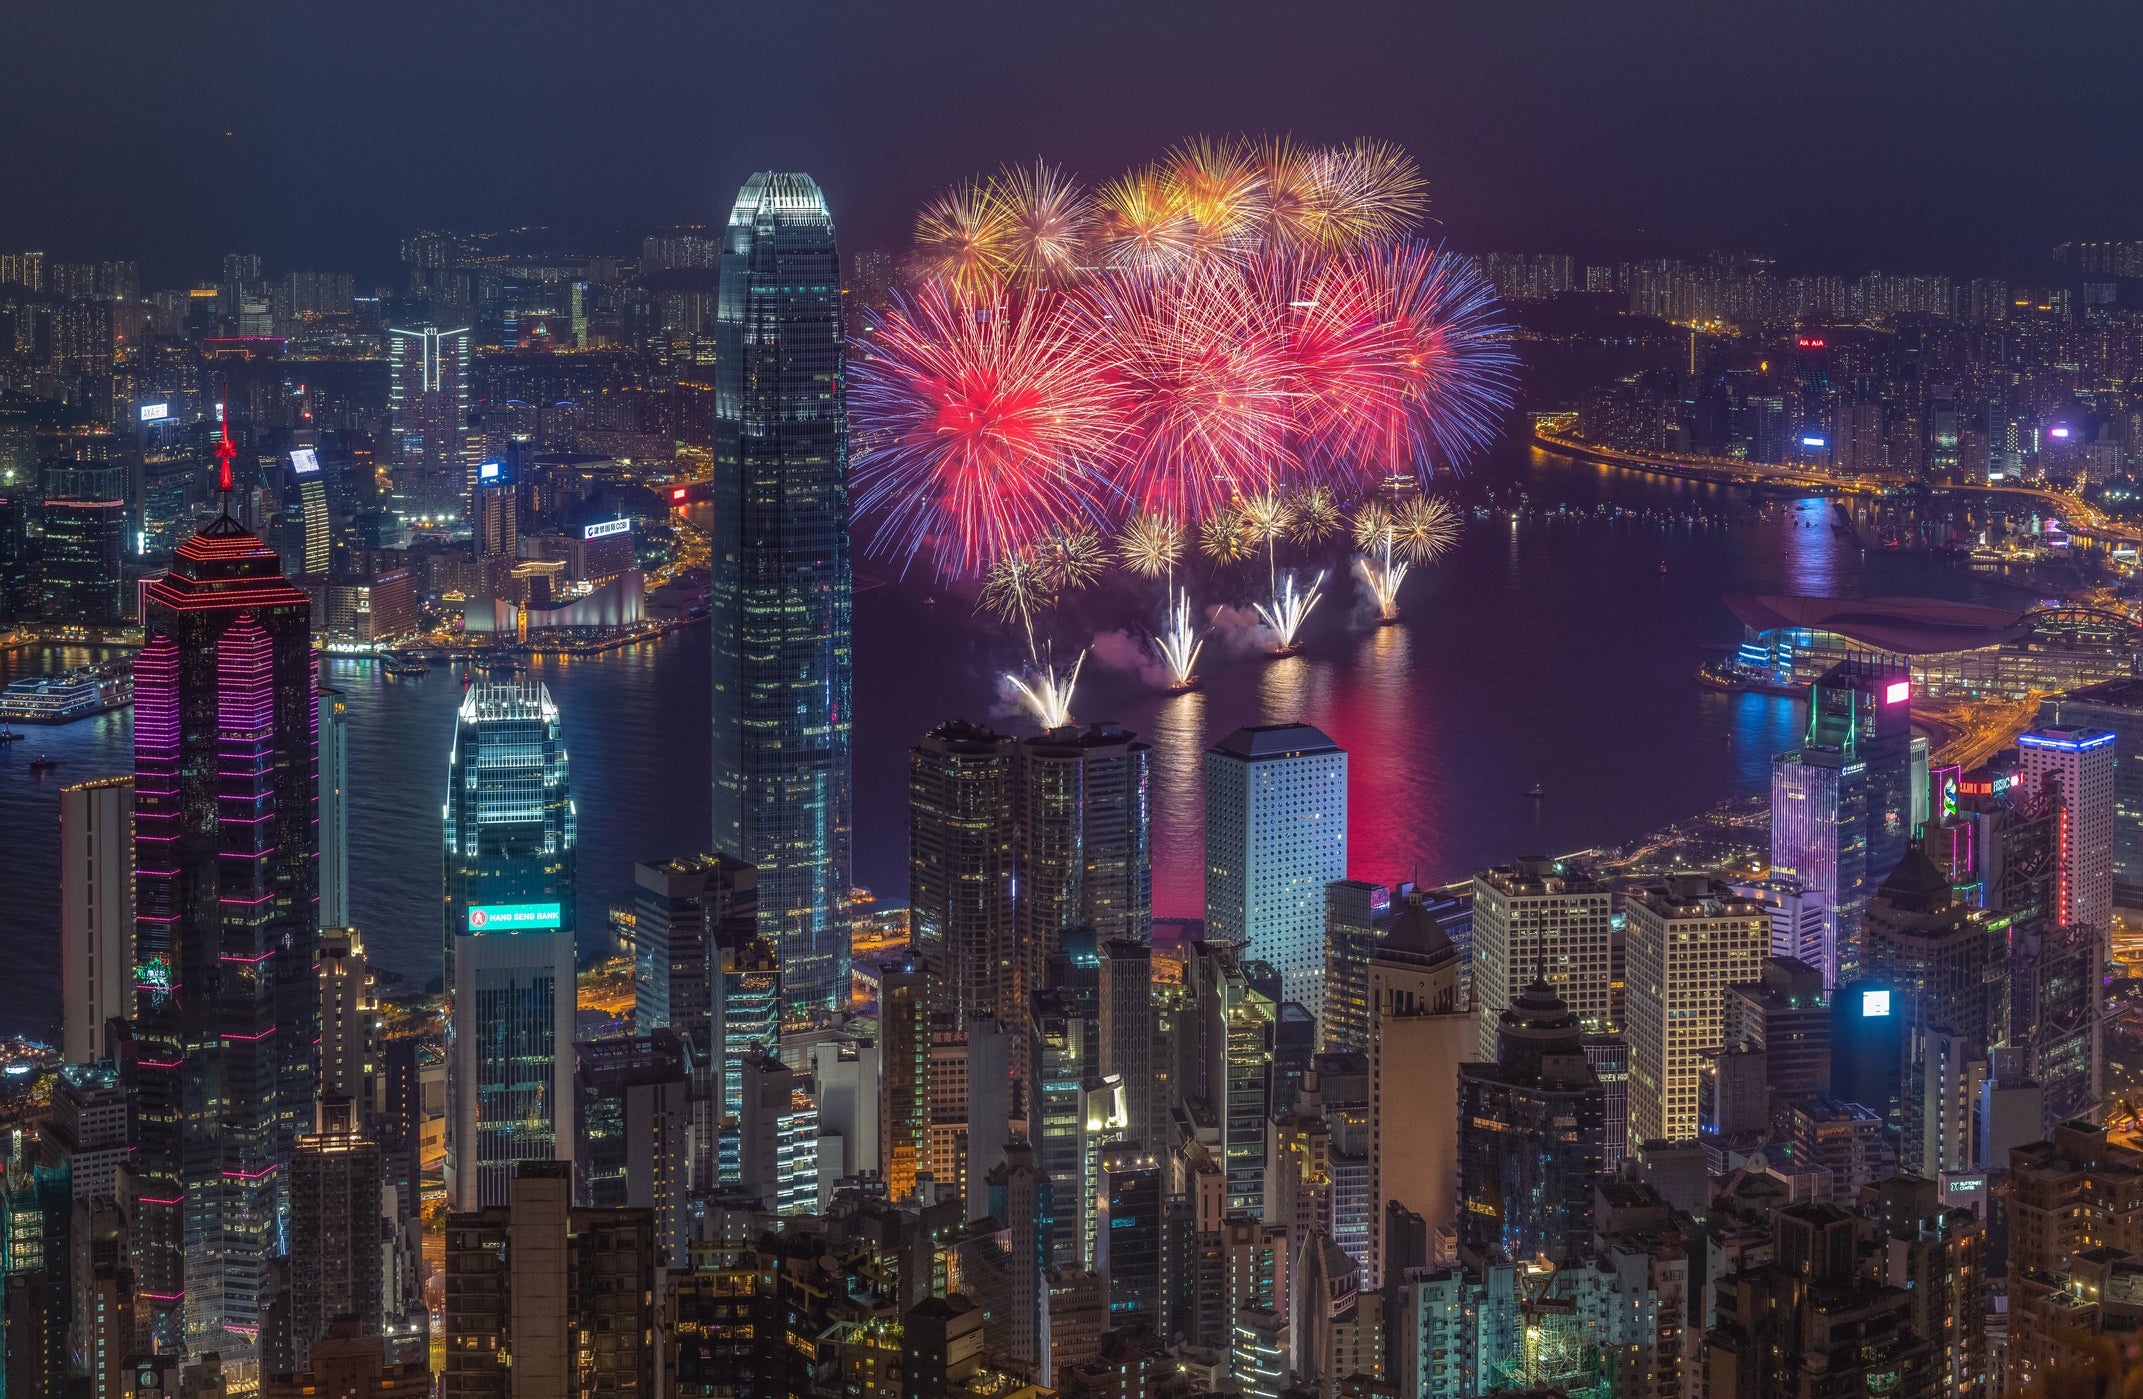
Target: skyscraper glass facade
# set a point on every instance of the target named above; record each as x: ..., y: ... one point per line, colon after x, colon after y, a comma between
x: 226, y: 1013
x: 782, y: 593
x: 510, y: 836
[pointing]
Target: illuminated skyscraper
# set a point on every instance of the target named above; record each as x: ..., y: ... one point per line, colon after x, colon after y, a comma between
x: 1085, y: 842
x: 225, y: 800
x: 1689, y: 939
x: 782, y: 593
x: 2080, y: 762
x: 511, y: 833
x: 333, y: 727
x: 1841, y: 804
x: 85, y: 545
x: 961, y: 851
x: 428, y: 392
x: 1275, y: 836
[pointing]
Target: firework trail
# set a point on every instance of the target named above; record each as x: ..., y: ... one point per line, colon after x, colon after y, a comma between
x: 1046, y: 692
x: 1420, y: 530
x: 1180, y: 644
x: 1287, y: 612
x: 1383, y: 574
x: 980, y: 430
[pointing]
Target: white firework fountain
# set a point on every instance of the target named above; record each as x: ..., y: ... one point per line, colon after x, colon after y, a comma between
x: 1288, y: 611
x: 1180, y: 645
x: 1048, y: 693
x: 1383, y: 574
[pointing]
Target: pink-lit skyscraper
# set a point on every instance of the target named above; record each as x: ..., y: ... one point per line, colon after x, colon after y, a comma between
x: 225, y: 1010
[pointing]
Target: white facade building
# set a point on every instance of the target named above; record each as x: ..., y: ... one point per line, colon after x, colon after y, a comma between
x: 1275, y: 836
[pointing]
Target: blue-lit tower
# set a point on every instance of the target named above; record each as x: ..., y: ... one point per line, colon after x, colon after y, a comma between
x: 510, y: 837
x: 782, y: 592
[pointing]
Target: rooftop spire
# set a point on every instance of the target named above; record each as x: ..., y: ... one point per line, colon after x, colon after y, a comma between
x: 226, y: 453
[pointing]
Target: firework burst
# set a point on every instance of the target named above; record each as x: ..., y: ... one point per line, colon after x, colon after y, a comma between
x: 1067, y: 560
x: 1423, y: 529
x: 1149, y: 546
x: 1314, y: 516
x: 1142, y: 222
x: 964, y: 237
x: 980, y: 429
x: 1180, y: 644
x: 1221, y: 539
x: 1287, y: 612
x: 1047, y: 222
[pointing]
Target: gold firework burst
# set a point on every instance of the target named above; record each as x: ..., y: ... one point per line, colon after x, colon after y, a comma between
x: 1372, y: 526
x: 1221, y: 538
x: 1314, y: 516
x: 1423, y: 529
x: 1150, y: 545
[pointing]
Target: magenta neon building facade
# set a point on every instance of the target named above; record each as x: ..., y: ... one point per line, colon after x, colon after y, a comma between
x: 225, y: 754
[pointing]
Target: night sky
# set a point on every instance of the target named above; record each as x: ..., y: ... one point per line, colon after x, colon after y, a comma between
x: 1954, y: 137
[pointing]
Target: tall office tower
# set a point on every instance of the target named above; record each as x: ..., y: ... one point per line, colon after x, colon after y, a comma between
x: 844, y: 1073
x: 1532, y: 1136
x: 778, y: 1137
x: 87, y: 1128
x: 1358, y: 915
x: 2116, y: 705
x: 961, y: 852
x: 85, y: 550
x: 1419, y: 1035
x: 987, y: 1125
x: 495, y: 514
x: 1538, y: 917
x: 1224, y: 1048
x: 308, y: 532
x: 684, y: 912
x: 1127, y: 1030
x: 632, y: 1099
x: 1841, y: 803
x: 904, y: 999
x: 1018, y: 1193
x: 333, y: 726
x: 1686, y: 942
x: 1131, y: 1198
x: 2082, y: 763
x: 1275, y: 836
x: 782, y: 593
x: 546, y: 1299
x: 349, y: 1023
x: 1800, y: 917
x: 96, y: 913
x: 225, y: 799
x: 1085, y: 841
x: 510, y: 834
x: 746, y: 980
x: 1055, y: 1056
x: 336, y: 1251
x: 428, y: 397
x: 1786, y: 1014
x: 1932, y: 951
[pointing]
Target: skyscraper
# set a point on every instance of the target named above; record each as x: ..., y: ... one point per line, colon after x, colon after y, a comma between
x: 1085, y: 839
x: 782, y: 594
x: 2081, y: 763
x: 333, y: 727
x: 96, y: 912
x: 85, y: 545
x: 1275, y: 836
x: 1539, y: 918
x: 225, y: 799
x: 428, y: 394
x: 1689, y: 939
x: 1841, y: 803
x: 962, y: 846
x: 335, y: 1253
x: 511, y: 833
x: 2116, y: 705
x: 684, y: 912
x: 1532, y: 1136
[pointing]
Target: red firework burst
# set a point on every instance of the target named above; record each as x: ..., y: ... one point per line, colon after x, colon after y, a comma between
x: 981, y: 426
x: 1203, y: 381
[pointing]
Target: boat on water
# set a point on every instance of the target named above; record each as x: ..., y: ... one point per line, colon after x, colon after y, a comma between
x: 74, y: 694
x: 41, y: 763
x: 1536, y: 793
x: 405, y: 665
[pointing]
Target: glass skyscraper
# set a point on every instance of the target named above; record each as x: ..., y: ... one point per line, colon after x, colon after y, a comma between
x: 226, y: 1010
x: 782, y: 592
x: 510, y: 837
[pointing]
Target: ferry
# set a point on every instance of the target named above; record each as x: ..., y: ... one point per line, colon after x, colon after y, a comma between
x: 76, y: 694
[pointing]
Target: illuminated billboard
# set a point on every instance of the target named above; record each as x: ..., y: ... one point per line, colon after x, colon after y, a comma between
x: 155, y: 412
x: 492, y: 918
x: 1874, y: 1003
x: 304, y: 461
x: 605, y: 529
x: 489, y: 471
